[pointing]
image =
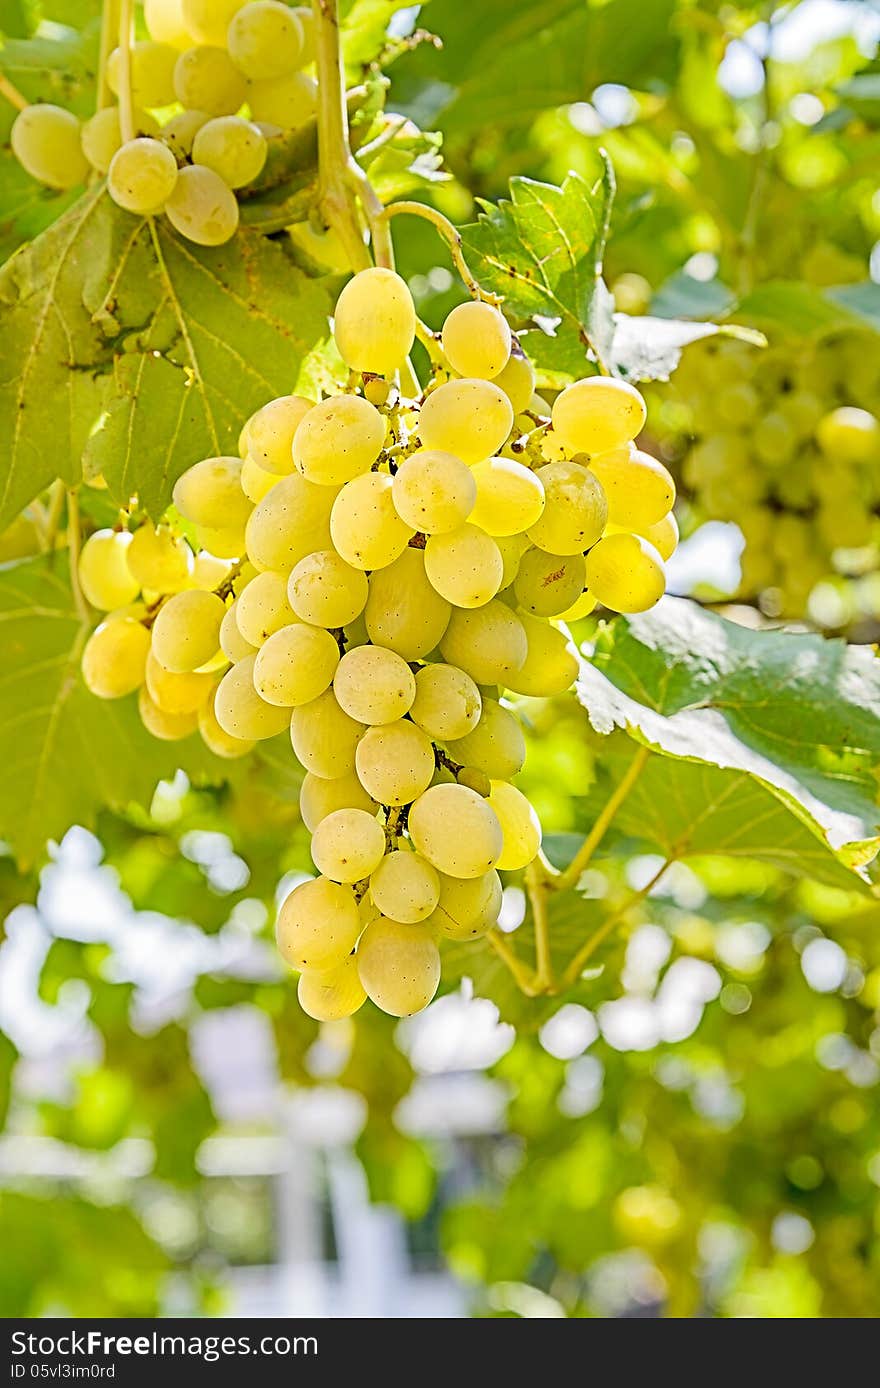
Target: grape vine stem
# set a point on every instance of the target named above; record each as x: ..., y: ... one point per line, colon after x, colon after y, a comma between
x: 74, y: 537
x: 12, y: 94
x: 536, y: 889
x: 126, y: 101
x: 522, y: 975
x: 451, y: 236
x: 109, y: 30
x: 336, y: 188
x: 588, y: 948
x: 570, y: 875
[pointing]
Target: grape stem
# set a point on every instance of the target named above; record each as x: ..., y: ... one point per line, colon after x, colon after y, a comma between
x: 126, y: 102
x: 336, y: 190
x: 74, y: 537
x: 109, y: 30
x: 576, y: 967
x: 12, y: 94
x: 570, y: 875
x: 522, y: 975
x: 536, y: 884
x: 451, y: 236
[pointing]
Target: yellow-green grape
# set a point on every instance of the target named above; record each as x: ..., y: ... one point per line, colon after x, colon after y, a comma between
x: 115, y: 658
x: 375, y: 321
x: 404, y: 612
x: 465, y: 566
x: 364, y: 526
x: 434, y: 492
x: 338, y: 439
x: 206, y: 79
x: 323, y: 245
x: 152, y: 73
x: 476, y: 340
x: 104, y: 575
x: 101, y: 136
x: 216, y: 739
x: 319, y: 797
x: 496, y: 746
x: 318, y: 925
x: 202, y: 208
x: 324, y: 737
x: 374, y: 685
x: 456, y: 830
x: 286, y: 102
x: 157, y: 559
x: 168, y: 727
x: 575, y: 509
x: 511, y: 548
x: 469, y: 418
x: 447, y: 702
x: 405, y: 887
x: 295, y: 665
x: 186, y: 632
x: 255, y: 481
x: 548, y: 584
x: 307, y: 20
x: 517, y: 380
x: 265, y: 39
x: 208, y: 20
x: 467, y: 908
x: 235, y: 149
x: 395, y: 762
x: 142, y: 176
x: 849, y: 435
x: 209, y: 494
x: 551, y: 665
x: 228, y: 543
x: 639, y: 489
x: 263, y: 609
x: 581, y: 607
x: 332, y: 995
x: 46, y: 142
x: 208, y: 572
x: 510, y: 497
x: 348, y: 845
x: 290, y: 522
x: 598, y: 414
x: 165, y: 23
x: 268, y: 434
x: 176, y: 693
x: 663, y: 536
x: 325, y: 590
x: 519, y: 825
x: 180, y: 131
x: 488, y: 643
x: 239, y: 709
x: 399, y: 966
x: 625, y: 573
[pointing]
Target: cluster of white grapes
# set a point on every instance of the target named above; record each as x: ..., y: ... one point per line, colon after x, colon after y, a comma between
x: 786, y: 443
x: 404, y: 568
x: 214, y: 82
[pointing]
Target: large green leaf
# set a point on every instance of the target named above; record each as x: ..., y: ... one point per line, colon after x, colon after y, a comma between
x: 767, y: 742
x: 803, y: 310
x: 503, y: 64
x: 66, y: 754
x: 542, y: 250
x: 117, y: 320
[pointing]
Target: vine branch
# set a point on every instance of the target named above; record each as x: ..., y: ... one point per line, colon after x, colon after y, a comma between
x: 584, y: 855
x: 451, y: 236
x: 126, y: 102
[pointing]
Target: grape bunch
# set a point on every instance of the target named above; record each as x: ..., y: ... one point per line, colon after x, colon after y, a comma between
x: 212, y: 85
x: 786, y: 443
x: 402, y: 569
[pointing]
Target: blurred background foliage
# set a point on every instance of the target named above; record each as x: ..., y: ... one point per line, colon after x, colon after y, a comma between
x: 695, y: 1130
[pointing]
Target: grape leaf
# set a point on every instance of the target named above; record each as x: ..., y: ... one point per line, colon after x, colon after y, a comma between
x: 58, y: 69
x: 363, y: 29
x: 65, y: 753
x: 792, y: 721
x: 503, y: 64
x: 804, y: 311
x: 16, y: 19
x: 170, y: 347
x: 686, y: 808
x: 542, y: 250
